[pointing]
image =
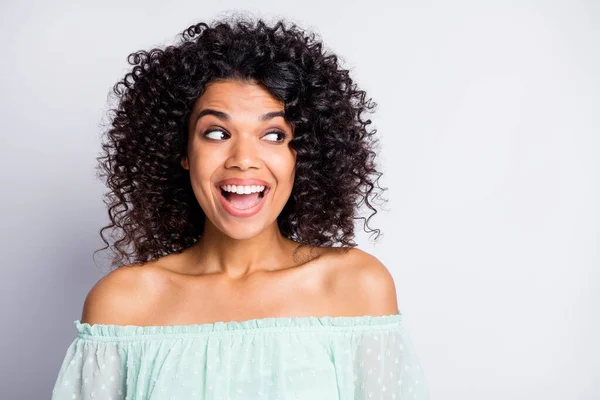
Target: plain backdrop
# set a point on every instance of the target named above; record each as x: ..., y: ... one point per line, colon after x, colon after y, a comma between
x: 489, y: 118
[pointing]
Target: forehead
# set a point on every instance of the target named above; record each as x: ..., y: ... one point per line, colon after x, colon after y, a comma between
x: 237, y: 97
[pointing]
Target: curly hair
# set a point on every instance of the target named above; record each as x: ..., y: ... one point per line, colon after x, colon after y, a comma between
x: 151, y: 201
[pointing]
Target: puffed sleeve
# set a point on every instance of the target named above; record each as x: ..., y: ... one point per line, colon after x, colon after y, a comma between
x: 387, y: 367
x: 91, y: 370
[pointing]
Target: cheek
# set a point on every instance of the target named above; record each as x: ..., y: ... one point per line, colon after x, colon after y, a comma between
x: 203, y: 165
x: 283, y: 167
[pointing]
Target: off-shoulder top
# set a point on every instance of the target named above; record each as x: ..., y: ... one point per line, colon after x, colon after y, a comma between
x: 310, y: 358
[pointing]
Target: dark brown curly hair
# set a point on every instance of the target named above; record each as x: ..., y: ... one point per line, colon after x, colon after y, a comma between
x: 151, y: 201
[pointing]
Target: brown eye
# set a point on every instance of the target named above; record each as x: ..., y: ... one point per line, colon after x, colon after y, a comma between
x: 282, y: 134
x: 210, y: 131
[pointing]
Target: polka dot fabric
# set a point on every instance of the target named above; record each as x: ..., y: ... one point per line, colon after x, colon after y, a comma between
x: 340, y: 357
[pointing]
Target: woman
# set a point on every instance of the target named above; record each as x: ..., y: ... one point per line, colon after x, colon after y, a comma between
x: 237, y: 160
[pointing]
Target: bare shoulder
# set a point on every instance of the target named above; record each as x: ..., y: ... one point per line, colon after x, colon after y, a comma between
x: 123, y: 296
x: 361, y: 284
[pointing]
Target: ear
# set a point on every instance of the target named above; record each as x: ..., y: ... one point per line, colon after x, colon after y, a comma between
x: 185, y: 163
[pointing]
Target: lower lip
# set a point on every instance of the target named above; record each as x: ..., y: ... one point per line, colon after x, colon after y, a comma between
x: 236, y: 212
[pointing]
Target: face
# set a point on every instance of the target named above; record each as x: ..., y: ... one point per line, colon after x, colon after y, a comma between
x: 238, y: 136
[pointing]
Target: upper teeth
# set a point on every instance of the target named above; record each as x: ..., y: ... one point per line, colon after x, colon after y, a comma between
x: 242, y: 189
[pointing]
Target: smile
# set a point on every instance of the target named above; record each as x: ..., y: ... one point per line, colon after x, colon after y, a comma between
x: 242, y: 204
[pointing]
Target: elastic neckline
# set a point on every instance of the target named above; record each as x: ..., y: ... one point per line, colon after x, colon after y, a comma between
x: 268, y: 324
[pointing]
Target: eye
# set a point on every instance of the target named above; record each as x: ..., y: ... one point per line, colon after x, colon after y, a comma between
x: 211, y: 130
x: 283, y: 135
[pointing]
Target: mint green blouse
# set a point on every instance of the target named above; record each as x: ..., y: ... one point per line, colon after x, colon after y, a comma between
x: 310, y: 358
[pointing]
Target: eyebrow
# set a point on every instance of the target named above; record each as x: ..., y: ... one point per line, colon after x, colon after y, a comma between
x: 226, y: 117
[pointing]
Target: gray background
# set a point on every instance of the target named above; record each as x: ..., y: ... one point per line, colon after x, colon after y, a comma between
x: 489, y: 118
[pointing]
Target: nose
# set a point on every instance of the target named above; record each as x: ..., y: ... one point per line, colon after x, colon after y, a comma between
x: 244, y: 153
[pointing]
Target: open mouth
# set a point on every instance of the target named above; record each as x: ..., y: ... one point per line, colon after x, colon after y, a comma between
x: 243, y: 204
x: 243, y: 201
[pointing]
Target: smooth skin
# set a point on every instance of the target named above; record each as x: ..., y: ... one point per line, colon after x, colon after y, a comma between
x: 241, y: 268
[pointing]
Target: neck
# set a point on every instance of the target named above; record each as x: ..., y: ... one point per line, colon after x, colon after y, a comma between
x: 237, y: 259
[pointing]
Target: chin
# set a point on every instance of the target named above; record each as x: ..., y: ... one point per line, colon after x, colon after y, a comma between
x: 241, y: 231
